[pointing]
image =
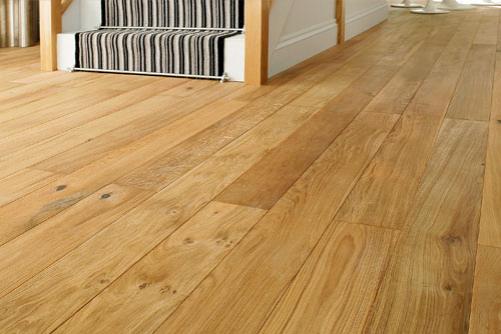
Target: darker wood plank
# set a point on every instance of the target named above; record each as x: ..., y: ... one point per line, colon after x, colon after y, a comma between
x: 267, y: 181
x: 274, y: 251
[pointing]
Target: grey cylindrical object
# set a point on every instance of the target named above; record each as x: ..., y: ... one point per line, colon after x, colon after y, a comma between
x: 19, y: 23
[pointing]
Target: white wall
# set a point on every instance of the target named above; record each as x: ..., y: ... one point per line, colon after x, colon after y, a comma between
x: 361, y: 15
x: 300, y: 29
x: 82, y: 15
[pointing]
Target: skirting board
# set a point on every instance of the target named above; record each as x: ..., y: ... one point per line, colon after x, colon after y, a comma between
x: 295, y: 48
x: 360, y: 22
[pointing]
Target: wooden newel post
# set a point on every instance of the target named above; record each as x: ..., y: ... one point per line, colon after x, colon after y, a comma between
x: 50, y: 26
x: 256, y: 41
x: 340, y: 20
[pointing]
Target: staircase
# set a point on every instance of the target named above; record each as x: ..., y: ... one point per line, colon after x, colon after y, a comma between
x: 168, y: 37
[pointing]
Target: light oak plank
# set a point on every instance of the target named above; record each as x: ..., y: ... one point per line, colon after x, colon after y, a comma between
x: 472, y: 100
x: 490, y: 229
x: 51, y: 138
x: 289, y: 231
x: 486, y: 305
x: 428, y: 286
x: 335, y: 288
x: 151, y: 290
x: 390, y: 49
x: 64, y: 232
x: 23, y: 183
x: 160, y: 113
x: 488, y: 31
x: 399, y: 92
x: 386, y: 191
x: 34, y: 114
x: 137, y: 232
x: 266, y: 182
x: 179, y: 160
x: 44, y: 203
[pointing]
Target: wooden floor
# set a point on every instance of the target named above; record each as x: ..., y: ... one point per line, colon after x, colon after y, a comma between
x: 358, y: 192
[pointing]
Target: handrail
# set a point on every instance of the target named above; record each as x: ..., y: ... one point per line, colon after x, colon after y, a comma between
x: 65, y: 4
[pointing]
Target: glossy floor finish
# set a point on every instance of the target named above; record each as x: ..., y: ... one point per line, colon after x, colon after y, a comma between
x: 358, y: 192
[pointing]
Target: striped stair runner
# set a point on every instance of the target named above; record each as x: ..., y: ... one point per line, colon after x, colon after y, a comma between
x: 130, y: 40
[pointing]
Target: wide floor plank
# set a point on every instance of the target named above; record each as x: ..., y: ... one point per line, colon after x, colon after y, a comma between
x: 334, y: 290
x: 290, y: 230
x: 486, y: 304
x: 152, y: 289
x: 357, y: 192
x: 428, y: 286
x: 386, y: 190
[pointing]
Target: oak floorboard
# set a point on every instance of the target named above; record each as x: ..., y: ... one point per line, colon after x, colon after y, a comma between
x: 428, y: 286
x: 266, y: 182
x: 399, y: 92
x: 20, y: 119
x: 472, y: 100
x: 389, y: 49
x: 108, y: 203
x: 64, y: 232
x: 51, y: 138
x: 23, y: 183
x: 38, y: 206
x: 152, y: 289
x: 137, y: 233
x: 162, y: 111
x: 488, y: 30
x: 180, y: 159
x: 335, y: 288
x: 490, y: 228
x: 486, y: 305
x: 385, y: 193
x: 290, y: 230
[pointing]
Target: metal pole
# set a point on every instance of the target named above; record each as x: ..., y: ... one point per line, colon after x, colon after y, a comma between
x: 170, y: 28
x: 222, y: 78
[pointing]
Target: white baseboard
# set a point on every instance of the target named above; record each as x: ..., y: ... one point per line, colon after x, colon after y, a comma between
x: 362, y: 21
x: 297, y: 47
x: 66, y: 51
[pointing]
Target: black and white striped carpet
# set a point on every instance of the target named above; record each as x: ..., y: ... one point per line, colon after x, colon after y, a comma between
x: 196, y: 52
x: 173, y: 13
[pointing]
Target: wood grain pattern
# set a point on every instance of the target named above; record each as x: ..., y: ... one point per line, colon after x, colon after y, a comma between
x: 335, y: 288
x: 296, y: 223
x: 23, y: 183
x: 159, y: 112
x: 399, y: 92
x: 386, y: 190
x: 432, y: 270
x: 176, y: 162
x: 266, y: 182
x: 472, y: 100
x: 64, y: 232
x: 50, y: 26
x: 137, y: 232
x: 490, y: 229
x: 108, y: 204
x: 150, y: 291
x: 256, y: 41
x: 486, y: 304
